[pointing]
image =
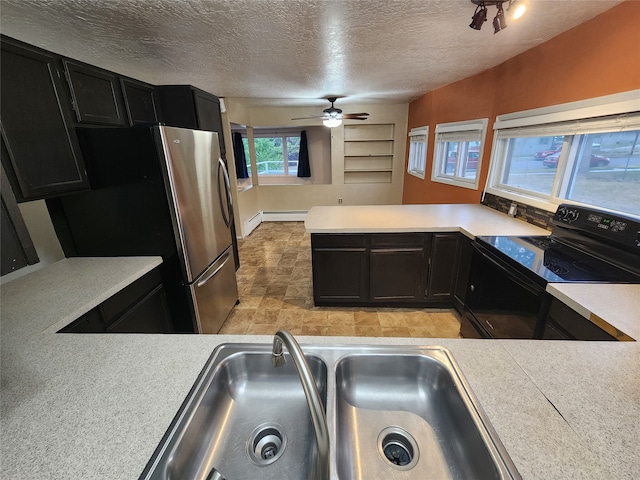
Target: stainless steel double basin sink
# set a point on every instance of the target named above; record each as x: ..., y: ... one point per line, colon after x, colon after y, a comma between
x: 392, y: 412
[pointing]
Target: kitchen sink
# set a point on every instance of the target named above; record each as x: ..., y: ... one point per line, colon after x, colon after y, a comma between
x: 412, y: 417
x: 392, y: 412
x: 246, y: 419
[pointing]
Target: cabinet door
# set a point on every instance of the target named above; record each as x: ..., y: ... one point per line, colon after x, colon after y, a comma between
x: 340, y: 269
x: 96, y: 95
x: 209, y: 116
x: 443, y: 266
x: 397, y: 268
x: 149, y: 315
x: 16, y: 244
x: 465, y: 252
x: 138, y: 97
x: 42, y: 154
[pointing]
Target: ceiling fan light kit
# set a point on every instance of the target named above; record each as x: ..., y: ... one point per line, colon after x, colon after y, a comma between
x: 332, y: 116
x: 515, y: 10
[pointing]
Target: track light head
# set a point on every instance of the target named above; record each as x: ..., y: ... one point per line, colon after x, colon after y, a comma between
x: 479, y: 17
x: 498, y: 21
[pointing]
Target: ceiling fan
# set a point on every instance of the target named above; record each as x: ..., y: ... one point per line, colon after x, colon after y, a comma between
x: 332, y: 116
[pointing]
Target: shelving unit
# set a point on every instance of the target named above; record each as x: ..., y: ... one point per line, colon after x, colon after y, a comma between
x: 368, y: 153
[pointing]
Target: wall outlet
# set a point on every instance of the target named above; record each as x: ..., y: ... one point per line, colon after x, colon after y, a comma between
x: 339, y: 201
x: 513, y: 209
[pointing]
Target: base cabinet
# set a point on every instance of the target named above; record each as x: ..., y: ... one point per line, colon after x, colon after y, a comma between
x: 138, y: 308
x: 400, y: 269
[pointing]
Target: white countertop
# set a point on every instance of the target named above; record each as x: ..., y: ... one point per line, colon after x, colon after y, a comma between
x: 96, y: 406
x: 471, y: 219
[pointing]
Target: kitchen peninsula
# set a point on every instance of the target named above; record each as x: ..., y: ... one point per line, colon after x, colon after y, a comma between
x: 96, y: 406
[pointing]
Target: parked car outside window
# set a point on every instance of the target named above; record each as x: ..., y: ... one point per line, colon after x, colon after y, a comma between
x: 595, y: 161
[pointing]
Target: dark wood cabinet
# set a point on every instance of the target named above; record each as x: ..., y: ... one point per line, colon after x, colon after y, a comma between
x: 400, y: 269
x: 340, y: 269
x: 465, y: 252
x: 564, y: 323
x: 16, y: 245
x: 140, y: 102
x: 188, y: 107
x: 41, y: 153
x: 443, y: 266
x: 97, y: 95
x: 397, y: 272
x: 138, y: 308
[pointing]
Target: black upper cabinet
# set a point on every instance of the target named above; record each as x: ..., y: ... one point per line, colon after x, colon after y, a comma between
x: 138, y: 96
x: 97, y: 95
x: 42, y: 155
x: 189, y: 107
x: 16, y: 245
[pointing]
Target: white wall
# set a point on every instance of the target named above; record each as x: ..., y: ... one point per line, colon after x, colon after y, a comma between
x: 287, y: 198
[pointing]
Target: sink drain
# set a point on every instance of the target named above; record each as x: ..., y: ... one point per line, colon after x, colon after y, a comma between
x: 266, y: 444
x: 398, y: 448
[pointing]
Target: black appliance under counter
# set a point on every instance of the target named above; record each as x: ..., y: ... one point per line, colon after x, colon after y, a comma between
x: 506, y: 293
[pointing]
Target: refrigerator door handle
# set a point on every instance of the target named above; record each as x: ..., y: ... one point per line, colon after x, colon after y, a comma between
x: 228, y: 214
x: 225, y: 259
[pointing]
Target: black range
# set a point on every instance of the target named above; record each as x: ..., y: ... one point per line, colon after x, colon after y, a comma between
x: 506, y: 295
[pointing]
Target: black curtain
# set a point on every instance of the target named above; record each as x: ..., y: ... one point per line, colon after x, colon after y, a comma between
x: 304, y: 169
x: 240, y: 157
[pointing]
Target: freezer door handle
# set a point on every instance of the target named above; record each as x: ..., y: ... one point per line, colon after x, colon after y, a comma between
x: 228, y: 213
x: 225, y: 259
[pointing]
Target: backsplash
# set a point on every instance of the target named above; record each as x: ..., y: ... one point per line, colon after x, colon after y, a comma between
x: 533, y: 215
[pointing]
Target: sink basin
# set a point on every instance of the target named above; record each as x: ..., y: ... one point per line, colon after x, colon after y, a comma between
x: 410, y: 416
x: 246, y: 419
x: 392, y: 412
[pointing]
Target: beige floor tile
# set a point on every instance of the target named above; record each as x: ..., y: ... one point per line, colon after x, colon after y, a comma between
x: 368, y: 331
x: 248, y: 301
x: 338, y: 319
x: 395, y: 331
x: 391, y: 319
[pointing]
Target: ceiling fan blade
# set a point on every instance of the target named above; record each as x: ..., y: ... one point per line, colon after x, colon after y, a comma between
x: 357, y: 114
x: 353, y: 116
x: 312, y: 116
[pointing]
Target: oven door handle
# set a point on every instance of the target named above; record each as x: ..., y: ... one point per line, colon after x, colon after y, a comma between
x: 523, y: 282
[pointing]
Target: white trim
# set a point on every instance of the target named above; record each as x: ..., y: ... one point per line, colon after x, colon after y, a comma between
x: 478, y: 124
x: 590, y: 108
x: 285, y: 216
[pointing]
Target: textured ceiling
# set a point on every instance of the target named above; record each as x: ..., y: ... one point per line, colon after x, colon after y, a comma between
x: 289, y: 52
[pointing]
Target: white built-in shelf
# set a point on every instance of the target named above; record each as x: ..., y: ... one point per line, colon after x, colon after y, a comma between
x: 368, y: 153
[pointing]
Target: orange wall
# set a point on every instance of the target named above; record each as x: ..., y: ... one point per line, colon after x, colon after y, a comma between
x: 599, y: 57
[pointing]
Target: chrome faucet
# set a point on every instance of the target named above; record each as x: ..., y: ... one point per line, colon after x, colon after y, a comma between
x: 311, y: 392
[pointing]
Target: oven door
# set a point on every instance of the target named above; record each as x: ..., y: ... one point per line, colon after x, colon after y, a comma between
x: 501, y: 301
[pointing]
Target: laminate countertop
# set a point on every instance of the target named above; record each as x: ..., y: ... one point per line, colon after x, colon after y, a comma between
x: 95, y: 406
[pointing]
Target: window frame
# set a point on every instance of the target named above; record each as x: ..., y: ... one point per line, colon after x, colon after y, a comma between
x: 417, y: 162
x: 283, y: 134
x: 463, y: 133
x: 577, y: 119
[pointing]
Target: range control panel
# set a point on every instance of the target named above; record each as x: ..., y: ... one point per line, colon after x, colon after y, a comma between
x: 615, y: 228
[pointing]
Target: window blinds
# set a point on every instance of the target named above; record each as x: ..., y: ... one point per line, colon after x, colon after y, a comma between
x: 614, y: 123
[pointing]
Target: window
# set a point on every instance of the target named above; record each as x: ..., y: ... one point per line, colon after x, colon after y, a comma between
x: 594, y: 162
x: 458, y: 152
x: 273, y: 147
x: 417, y: 151
x: 245, y: 144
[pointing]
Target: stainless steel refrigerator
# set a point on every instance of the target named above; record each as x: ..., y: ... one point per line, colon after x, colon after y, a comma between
x: 158, y: 191
x: 199, y: 188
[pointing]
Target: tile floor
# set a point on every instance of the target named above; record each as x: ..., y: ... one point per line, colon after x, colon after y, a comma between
x: 274, y: 282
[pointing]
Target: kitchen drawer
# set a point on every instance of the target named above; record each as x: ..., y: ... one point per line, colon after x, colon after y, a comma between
x: 337, y: 240
x: 397, y: 240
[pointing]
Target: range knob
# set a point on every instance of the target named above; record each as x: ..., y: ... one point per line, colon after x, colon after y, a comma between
x: 568, y: 215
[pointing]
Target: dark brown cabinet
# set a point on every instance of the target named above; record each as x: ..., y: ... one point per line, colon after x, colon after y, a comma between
x: 140, y: 103
x: 340, y: 269
x: 465, y: 252
x: 443, y: 266
x: 564, y: 323
x: 17, y: 248
x: 97, y: 95
x: 186, y: 106
x: 400, y: 269
x: 41, y: 153
x: 138, y: 308
x: 397, y: 272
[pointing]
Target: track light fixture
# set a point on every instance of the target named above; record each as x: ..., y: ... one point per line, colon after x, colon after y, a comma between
x: 499, y: 23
